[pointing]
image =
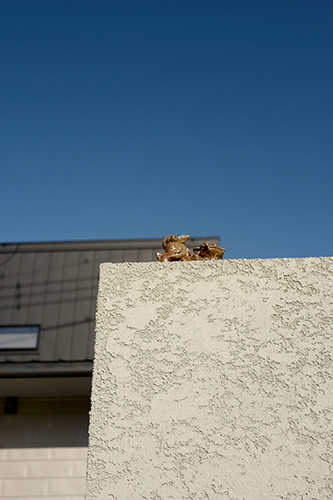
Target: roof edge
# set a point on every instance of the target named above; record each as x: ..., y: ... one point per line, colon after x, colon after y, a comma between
x: 50, y: 369
x: 56, y: 246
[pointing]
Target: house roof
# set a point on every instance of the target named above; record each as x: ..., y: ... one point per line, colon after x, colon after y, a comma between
x: 53, y: 285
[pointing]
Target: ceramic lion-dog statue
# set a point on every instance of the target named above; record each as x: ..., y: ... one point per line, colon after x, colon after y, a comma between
x: 176, y: 250
x: 210, y: 251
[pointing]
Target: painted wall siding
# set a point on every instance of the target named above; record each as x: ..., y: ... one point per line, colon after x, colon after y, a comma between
x: 43, y: 450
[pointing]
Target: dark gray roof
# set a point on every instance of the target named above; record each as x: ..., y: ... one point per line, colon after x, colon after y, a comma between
x: 54, y: 285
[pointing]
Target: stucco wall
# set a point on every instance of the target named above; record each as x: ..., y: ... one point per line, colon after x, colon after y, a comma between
x: 213, y: 380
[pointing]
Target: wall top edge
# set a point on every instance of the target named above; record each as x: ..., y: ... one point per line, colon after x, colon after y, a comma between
x: 218, y: 262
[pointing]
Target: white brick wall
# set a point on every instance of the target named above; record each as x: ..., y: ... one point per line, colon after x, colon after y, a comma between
x: 52, y: 473
x: 43, y: 454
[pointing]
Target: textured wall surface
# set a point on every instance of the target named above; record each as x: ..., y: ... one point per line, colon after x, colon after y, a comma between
x: 213, y: 380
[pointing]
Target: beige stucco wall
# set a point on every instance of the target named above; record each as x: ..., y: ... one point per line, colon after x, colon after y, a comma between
x: 213, y: 380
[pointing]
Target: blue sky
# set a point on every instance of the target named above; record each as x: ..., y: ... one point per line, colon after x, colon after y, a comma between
x: 139, y: 119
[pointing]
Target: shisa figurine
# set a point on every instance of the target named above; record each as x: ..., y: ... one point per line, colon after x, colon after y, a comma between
x: 175, y: 249
x: 207, y: 251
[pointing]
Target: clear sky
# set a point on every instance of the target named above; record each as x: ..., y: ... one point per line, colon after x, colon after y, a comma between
x: 139, y: 119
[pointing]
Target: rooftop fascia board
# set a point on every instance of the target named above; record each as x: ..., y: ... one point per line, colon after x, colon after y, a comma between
x: 57, y: 368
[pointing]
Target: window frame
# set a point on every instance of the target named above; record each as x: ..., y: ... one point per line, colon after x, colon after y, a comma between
x: 14, y: 329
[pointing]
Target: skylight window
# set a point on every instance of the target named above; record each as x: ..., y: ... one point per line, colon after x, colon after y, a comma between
x: 17, y: 338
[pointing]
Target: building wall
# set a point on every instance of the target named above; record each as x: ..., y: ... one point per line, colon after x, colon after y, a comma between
x: 213, y: 380
x: 52, y: 285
